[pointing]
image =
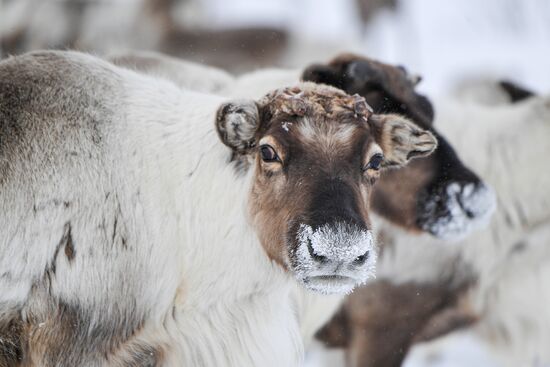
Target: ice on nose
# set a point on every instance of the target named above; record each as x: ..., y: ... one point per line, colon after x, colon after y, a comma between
x: 339, y: 242
x: 479, y: 201
x: 343, y: 265
x: 468, y: 207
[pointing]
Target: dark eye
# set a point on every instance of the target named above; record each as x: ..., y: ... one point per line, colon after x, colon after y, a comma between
x: 268, y: 154
x: 375, y: 162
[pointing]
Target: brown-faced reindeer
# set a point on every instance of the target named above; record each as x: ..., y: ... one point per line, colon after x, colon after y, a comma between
x: 440, y: 197
x: 136, y: 232
x: 437, y: 194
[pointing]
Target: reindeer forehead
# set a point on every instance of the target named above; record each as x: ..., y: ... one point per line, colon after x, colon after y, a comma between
x: 316, y: 101
x: 329, y: 137
x: 317, y: 115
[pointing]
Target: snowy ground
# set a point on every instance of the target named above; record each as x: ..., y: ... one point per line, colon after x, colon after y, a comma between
x: 455, y: 350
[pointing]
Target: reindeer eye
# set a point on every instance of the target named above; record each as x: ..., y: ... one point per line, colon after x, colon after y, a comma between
x: 375, y: 162
x: 268, y: 154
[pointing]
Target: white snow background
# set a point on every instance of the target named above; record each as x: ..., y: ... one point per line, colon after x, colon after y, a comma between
x: 444, y: 41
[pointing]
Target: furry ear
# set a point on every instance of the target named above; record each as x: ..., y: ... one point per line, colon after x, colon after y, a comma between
x: 237, y: 122
x: 400, y: 139
x: 515, y: 92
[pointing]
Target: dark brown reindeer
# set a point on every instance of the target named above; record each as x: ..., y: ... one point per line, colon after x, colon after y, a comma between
x: 444, y: 196
x: 441, y: 196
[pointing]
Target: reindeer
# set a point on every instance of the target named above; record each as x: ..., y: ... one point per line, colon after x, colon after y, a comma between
x: 492, y: 285
x: 138, y: 233
x: 437, y: 194
x: 448, y: 200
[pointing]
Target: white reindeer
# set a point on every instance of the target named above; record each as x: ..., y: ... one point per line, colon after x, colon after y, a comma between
x: 149, y: 225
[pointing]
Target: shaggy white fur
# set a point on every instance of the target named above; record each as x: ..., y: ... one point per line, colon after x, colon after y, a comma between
x: 512, y: 257
x: 143, y: 212
x: 185, y: 74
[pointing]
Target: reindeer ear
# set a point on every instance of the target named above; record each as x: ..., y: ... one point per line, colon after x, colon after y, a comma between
x: 400, y: 139
x: 237, y: 122
x: 515, y: 92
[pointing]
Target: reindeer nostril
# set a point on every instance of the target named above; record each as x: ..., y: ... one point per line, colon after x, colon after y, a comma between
x: 314, y: 256
x: 465, y: 198
x: 360, y: 260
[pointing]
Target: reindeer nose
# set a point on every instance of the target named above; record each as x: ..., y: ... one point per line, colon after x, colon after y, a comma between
x: 477, y: 201
x: 322, y: 259
x: 360, y: 260
x: 338, y: 244
x: 334, y: 257
x: 457, y: 209
x: 319, y: 258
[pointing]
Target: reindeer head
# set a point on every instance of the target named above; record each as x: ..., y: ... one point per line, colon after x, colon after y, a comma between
x: 316, y: 153
x: 437, y: 194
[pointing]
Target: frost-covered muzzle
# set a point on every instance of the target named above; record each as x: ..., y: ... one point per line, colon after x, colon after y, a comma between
x: 455, y: 209
x: 334, y: 258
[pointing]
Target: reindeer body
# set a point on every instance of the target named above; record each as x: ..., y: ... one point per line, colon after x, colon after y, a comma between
x: 493, y: 284
x: 97, y: 286
x: 511, y: 259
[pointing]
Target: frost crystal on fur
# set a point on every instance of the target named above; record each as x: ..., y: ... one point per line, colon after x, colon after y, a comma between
x: 348, y: 256
x: 286, y: 126
x: 469, y: 207
x: 339, y: 242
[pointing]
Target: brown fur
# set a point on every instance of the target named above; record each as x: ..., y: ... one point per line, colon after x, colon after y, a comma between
x: 280, y: 195
x: 397, y: 198
x: 386, y: 88
x: 391, y: 89
x: 11, y: 339
x: 49, y: 326
x: 323, y: 138
x: 42, y: 331
x: 377, y: 330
